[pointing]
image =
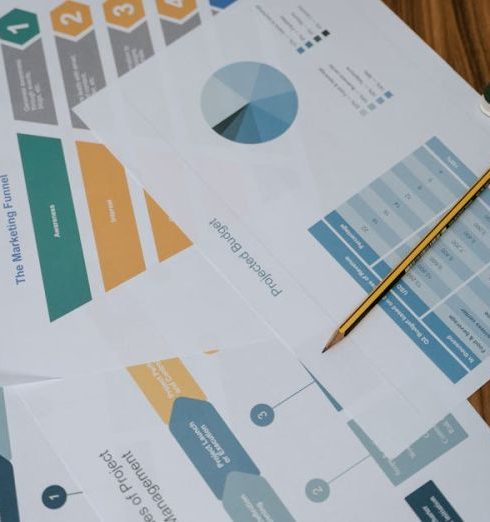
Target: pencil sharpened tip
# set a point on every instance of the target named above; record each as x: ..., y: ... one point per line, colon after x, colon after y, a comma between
x: 336, y: 338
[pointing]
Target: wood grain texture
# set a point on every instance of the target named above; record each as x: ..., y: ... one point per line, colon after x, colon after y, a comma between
x: 459, y: 31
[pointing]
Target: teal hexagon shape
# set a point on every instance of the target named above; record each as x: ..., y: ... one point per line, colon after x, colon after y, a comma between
x: 18, y: 26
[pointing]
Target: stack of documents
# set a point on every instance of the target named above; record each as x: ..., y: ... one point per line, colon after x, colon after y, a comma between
x: 194, y: 194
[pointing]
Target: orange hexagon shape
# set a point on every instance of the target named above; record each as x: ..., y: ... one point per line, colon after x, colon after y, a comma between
x: 176, y: 9
x: 123, y: 13
x: 71, y: 18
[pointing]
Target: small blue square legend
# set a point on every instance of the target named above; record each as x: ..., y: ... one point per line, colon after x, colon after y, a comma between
x: 377, y: 102
x: 314, y: 40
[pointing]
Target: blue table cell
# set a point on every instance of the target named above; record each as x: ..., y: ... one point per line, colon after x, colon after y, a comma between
x: 397, y: 204
x: 403, y: 291
x: 445, y: 177
x: 423, y: 338
x: 485, y: 196
x: 450, y: 259
x: 480, y: 212
x: 410, y: 298
x: 351, y: 237
x: 470, y: 240
x: 427, y: 198
x: 481, y: 289
x: 452, y: 341
x: 451, y: 161
x: 344, y: 256
x: 370, y: 216
x: 466, y: 312
x: 428, y: 277
x: 382, y: 269
x: 397, y: 255
x: 369, y: 233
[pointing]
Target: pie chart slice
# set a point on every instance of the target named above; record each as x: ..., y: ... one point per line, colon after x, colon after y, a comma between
x: 219, y: 101
x: 270, y: 82
x: 266, y: 123
x: 249, y: 129
x: 240, y: 77
x: 249, y: 102
x: 281, y: 106
x: 230, y: 126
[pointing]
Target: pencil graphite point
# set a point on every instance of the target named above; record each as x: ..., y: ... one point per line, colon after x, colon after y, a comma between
x: 336, y: 338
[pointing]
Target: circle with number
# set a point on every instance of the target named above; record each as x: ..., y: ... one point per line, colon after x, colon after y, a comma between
x: 262, y: 415
x: 317, y: 490
x: 54, y: 497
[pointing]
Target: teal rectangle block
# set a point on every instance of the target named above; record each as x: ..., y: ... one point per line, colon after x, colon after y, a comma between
x: 209, y: 443
x: 430, y: 505
x: 63, y: 269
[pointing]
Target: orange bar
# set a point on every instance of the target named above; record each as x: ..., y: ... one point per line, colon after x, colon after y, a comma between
x: 169, y: 239
x: 111, y: 211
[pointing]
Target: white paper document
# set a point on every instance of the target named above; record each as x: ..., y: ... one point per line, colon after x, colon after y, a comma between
x: 226, y: 436
x: 34, y: 483
x: 304, y: 148
x: 94, y: 274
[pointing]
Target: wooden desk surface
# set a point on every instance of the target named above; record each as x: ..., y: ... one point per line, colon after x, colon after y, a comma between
x: 459, y: 31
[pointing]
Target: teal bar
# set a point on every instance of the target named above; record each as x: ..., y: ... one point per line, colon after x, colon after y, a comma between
x: 55, y: 224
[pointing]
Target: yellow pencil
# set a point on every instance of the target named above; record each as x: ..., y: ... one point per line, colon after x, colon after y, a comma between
x: 402, y: 267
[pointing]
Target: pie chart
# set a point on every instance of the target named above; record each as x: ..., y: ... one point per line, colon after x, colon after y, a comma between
x: 249, y: 102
